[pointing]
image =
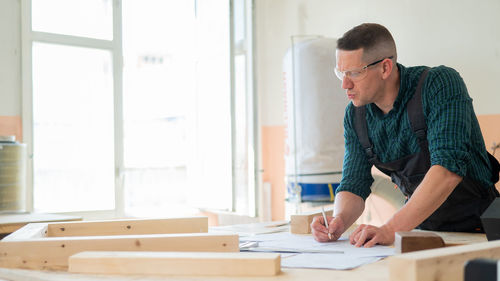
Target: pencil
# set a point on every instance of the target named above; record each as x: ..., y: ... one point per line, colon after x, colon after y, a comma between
x: 326, y: 223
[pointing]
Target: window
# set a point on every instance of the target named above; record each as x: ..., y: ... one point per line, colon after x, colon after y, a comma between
x: 139, y: 107
x: 72, y: 128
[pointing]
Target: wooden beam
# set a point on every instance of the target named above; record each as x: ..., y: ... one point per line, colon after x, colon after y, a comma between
x: 29, y: 231
x: 53, y: 252
x: 410, y: 241
x: 12, y: 222
x: 460, y: 238
x: 129, y: 227
x: 301, y: 224
x: 443, y: 264
x: 176, y: 263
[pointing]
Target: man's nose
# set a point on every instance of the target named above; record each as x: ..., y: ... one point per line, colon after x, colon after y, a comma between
x: 347, y: 83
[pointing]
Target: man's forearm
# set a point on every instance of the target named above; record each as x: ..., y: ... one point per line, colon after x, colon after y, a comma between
x: 349, y: 207
x: 436, y: 186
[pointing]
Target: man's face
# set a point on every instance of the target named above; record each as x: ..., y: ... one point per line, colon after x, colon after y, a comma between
x: 360, y: 91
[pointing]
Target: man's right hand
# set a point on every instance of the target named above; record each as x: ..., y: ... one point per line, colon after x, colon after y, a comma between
x: 335, y: 227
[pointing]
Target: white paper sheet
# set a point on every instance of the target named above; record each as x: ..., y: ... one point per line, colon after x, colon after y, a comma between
x: 312, y: 254
x: 325, y: 261
x: 306, y: 243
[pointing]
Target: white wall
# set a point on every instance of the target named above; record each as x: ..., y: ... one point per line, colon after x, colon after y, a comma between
x: 461, y: 34
x: 10, y: 57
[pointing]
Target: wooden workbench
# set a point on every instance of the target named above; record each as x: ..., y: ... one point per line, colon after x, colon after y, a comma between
x: 378, y: 271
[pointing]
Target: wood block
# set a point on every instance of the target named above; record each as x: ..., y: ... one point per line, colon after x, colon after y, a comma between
x: 129, y: 227
x: 301, y: 224
x: 410, y: 241
x: 176, y: 263
x: 442, y: 264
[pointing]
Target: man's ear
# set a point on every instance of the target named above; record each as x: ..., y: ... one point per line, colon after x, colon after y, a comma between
x: 387, y: 66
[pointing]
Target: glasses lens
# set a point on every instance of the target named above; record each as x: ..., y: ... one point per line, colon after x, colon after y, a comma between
x: 353, y: 75
x: 339, y: 74
x: 357, y: 74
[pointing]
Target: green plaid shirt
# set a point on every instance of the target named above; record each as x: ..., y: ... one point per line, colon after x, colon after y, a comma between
x: 455, y: 139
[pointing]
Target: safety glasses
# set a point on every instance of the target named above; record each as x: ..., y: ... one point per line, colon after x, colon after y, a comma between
x: 357, y: 74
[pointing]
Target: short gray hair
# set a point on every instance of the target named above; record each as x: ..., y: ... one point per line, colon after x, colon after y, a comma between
x: 375, y: 40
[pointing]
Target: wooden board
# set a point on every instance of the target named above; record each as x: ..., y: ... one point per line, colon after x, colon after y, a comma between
x: 33, y: 247
x: 131, y: 227
x: 12, y: 222
x: 301, y: 224
x: 443, y: 264
x: 459, y: 238
x: 176, y: 263
x: 410, y: 241
x: 30, y: 231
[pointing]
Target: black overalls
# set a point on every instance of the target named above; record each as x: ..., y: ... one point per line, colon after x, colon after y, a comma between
x: 462, y: 209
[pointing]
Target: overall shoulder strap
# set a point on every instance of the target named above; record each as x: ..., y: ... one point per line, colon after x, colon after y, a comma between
x: 416, y: 111
x: 362, y: 132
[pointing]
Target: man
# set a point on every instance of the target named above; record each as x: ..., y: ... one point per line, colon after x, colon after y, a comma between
x: 426, y: 137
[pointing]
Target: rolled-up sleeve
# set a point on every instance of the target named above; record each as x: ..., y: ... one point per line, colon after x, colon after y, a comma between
x: 449, y: 110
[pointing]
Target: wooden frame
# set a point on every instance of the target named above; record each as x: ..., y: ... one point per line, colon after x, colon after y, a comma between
x: 176, y: 263
x: 49, y: 245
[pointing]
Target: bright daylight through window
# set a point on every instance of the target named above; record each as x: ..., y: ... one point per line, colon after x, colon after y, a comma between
x: 141, y: 107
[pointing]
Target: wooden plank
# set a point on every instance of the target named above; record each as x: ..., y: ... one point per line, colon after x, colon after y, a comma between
x: 301, y: 224
x: 410, y: 241
x: 30, y: 231
x: 176, y: 263
x: 53, y: 252
x: 129, y: 227
x: 443, y: 264
x: 12, y: 222
x: 460, y: 238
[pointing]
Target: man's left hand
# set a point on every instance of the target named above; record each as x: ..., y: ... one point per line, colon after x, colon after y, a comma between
x: 369, y: 235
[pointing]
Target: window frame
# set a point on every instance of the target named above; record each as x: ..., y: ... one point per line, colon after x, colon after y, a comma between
x: 28, y: 36
x: 246, y: 48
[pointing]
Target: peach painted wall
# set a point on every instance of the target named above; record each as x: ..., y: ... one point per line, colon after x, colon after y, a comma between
x: 273, y: 164
x: 11, y: 126
x: 490, y: 127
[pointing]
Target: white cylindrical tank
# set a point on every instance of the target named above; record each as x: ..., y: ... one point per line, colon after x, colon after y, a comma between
x: 315, y: 104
